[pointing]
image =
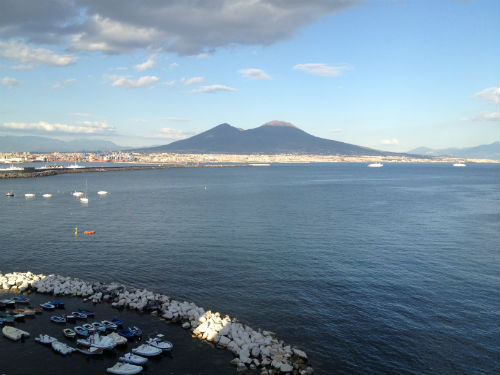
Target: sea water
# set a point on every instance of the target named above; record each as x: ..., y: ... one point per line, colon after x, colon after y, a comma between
x: 368, y: 270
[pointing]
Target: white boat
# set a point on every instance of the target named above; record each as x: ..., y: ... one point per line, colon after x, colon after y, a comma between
x: 459, y: 165
x: 45, y: 339
x: 29, y: 195
x: 124, y: 368
x: 146, y: 350
x: 62, y: 348
x: 68, y: 332
x: 102, y: 192
x: 85, y: 198
x: 375, y: 165
x: 103, y: 342
x: 14, y: 333
x: 47, y: 195
x: 89, y: 350
x: 75, y: 166
x: 77, y: 193
x: 133, y: 359
x: 11, y: 168
x: 118, y: 340
x: 159, y: 341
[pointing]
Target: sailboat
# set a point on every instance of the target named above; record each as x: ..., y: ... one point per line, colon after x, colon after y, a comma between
x: 85, y: 199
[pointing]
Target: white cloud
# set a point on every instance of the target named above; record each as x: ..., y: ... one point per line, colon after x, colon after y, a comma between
x: 323, y: 70
x: 84, y: 128
x: 491, y: 94
x: 169, y: 83
x: 10, y: 82
x: 174, y: 134
x: 175, y: 119
x: 391, y: 142
x: 256, y: 74
x: 31, y: 57
x: 59, y: 85
x: 132, y: 84
x: 193, y: 80
x: 148, y: 64
x: 213, y: 88
x: 174, y: 65
x: 485, y: 116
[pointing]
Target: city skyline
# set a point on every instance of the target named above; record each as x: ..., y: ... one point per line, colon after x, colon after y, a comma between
x: 388, y: 75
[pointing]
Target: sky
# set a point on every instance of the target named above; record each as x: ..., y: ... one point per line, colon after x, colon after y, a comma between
x: 386, y: 74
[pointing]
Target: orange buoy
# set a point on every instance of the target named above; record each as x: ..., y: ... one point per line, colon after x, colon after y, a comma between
x: 89, y: 232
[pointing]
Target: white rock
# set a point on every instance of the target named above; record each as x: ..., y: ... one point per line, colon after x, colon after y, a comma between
x: 224, y: 341
x: 285, y: 367
x: 186, y: 325
x: 299, y: 353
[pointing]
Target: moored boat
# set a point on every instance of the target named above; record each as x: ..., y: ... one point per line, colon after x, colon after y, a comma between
x: 79, y: 315
x: 118, y: 340
x: 70, y: 318
x: 89, y: 350
x: 9, y: 194
x: 109, y: 325
x: 126, y: 333
x: 22, y: 300
x: 118, y: 322
x: 45, y: 339
x: 137, y: 331
x: 146, y: 350
x: 89, y: 232
x: 58, y: 319
x: 124, y: 368
x: 47, y: 195
x: 103, y: 342
x: 102, y: 192
x: 14, y: 334
x: 89, y: 327
x: 133, y: 359
x: 68, y: 332
x: 375, y: 165
x: 160, y: 342
x: 86, y: 312
x: 8, y: 302
x: 29, y: 195
x: 62, y: 348
x: 81, y: 331
x: 99, y: 326
x: 47, y: 306
x: 57, y: 304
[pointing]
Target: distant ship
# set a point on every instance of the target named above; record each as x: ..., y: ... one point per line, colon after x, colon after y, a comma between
x: 459, y: 165
x: 74, y: 166
x: 375, y: 165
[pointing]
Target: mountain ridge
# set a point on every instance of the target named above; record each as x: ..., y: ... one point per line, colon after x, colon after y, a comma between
x: 487, y: 151
x: 29, y: 143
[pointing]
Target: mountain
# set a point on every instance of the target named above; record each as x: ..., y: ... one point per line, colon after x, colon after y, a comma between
x: 10, y: 143
x: 275, y: 137
x: 490, y: 151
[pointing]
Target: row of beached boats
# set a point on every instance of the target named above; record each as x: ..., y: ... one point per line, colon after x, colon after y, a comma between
x: 91, y: 338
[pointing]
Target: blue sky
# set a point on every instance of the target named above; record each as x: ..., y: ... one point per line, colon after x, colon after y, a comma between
x: 390, y: 75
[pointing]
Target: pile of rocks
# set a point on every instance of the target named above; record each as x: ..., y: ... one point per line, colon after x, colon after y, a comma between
x: 252, y: 349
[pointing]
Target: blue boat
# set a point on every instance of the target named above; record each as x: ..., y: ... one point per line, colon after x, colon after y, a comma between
x: 21, y: 300
x: 86, y: 312
x: 81, y: 331
x: 99, y: 326
x: 109, y: 325
x: 126, y: 333
x: 57, y: 304
x: 47, y: 306
x: 79, y: 315
x: 58, y: 319
x: 71, y: 318
x: 136, y: 330
x: 118, y: 322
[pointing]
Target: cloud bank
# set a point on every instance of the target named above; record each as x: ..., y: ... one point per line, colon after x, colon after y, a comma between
x: 321, y: 69
x: 83, y: 128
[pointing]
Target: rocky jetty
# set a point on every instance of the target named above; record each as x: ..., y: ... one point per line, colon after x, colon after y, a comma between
x: 252, y: 349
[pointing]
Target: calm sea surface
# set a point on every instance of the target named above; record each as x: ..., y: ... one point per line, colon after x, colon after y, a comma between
x: 369, y: 270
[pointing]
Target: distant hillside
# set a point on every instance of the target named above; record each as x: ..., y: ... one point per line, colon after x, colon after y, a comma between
x: 491, y: 151
x: 275, y: 137
x: 10, y: 143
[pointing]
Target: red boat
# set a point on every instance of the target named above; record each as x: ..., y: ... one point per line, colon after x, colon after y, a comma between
x: 89, y: 232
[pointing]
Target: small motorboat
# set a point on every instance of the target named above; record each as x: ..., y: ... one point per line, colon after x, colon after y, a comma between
x: 9, y: 194
x: 89, y: 232
x: 17, y: 316
x: 98, y: 326
x: 47, y: 306
x: 124, y: 368
x: 118, y: 322
x: 14, y: 334
x: 7, y: 318
x: 137, y: 331
x: 46, y: 195
x: 45, y: 339
x: 145, y: 350
x: 86, y: 312
x: 69, y: 333
x: 133, y: 359
x: 89, y: 327
x: 9, y: 303
x: 79, y: 315
x: 119, y: 340
x: 58, y: 319
x: 57, y: 304
x: 89, y: 350
x: 159, y: 341
x: 29, y: 195
x: 103, y: 342
x: 375, y: 165
x: 62, y: 348
x: 102, y: 192
x: 77, y: 194
x: 22, y: 300
x: 126, y: 333
x: 70, y: 318
x: 81, y: 331
x: 109, y: 325
x: 25, y: 312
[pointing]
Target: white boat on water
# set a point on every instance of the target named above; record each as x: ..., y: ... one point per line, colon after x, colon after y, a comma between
x: 375, y: 165
x: 11, y: 168
x: 97, y: 341
x: 124, y: 368
x: 159, y: 342
x: 85, y: 198
x: 133, y: 359
x: 47, y: 195
x: 62, y: 348
x: 102, y: 192
x: 145, y: 350
x: 77, y: 193
x: 459, y: 165
x: 75, y: 166
x: 14, y: 333
x: 117, y: 339
x: 29, y: 195
x: 45, y: 339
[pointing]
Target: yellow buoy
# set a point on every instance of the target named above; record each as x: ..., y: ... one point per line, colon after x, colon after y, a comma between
x: 76, y: 231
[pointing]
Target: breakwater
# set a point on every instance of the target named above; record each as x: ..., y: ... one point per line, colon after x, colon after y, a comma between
x: 252, y: 349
